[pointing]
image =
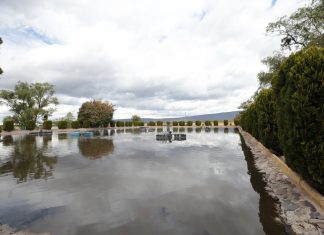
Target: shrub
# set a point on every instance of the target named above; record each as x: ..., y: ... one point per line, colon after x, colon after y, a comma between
x: 47, y: 125
x: 168, y: 123
x: 299, y: 92
x: 159, y: 123
x: 225, y: 122
x: 182, y: 123
x: 128, y: 124
x: 189, y: 123
x: 112, y: 124
x: 75, y: 124
x: 175, y: 123
x: 8, y: 125
x: 215, y: 122
x: 198, y: 123
x: 138, y: 123
x: 120, y: 124
x: 0, y: 129
x: 151, y: 123
x: 30, y: 125
x: 86, y: 124
x: 237, y: 120
x: 207, y: 123
x: 62, y: 124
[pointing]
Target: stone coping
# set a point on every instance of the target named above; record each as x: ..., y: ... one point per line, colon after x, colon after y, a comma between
x: 299, y: 205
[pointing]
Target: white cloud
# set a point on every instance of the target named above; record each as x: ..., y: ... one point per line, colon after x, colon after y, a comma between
x: 153, y: 58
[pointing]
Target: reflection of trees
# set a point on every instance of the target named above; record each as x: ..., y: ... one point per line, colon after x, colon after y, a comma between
x: 95, y: 148
x: 7, y: 140
x: 28, y: 161
x: 267, y: 205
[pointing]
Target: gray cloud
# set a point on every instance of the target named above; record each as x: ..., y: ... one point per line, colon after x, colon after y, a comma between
x: 155, y: 59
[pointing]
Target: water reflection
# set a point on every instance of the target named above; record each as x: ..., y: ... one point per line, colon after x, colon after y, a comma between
x: 28, y: 161
x: 198, y: 130
x: 95, y: 148
x: 216, y: 130
x: 7, y: 140
x: 267, y: 208
x: 226, y: 130
x: 62, y: 136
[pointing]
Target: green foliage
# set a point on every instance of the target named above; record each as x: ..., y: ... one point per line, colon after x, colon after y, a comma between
x: 225, y: 122
x: 151, y: 123
x: 136, y: 118
x: 75, y: 124
x: 30, y: 125
x: 62, y: 124
x: 182, y: 123
x: 47, y: 125
x: 299, y: 92
x: 8, y: 125
x: 86, y: 124
x: 120, y: 124
x: 128, y: 124
x: 198, y: 123
x: 168, y: 123
x: 138, y: 123
x: 215, y: 122
x: 237, y: 120
x: 29, y: 101
x: 302, y: 28
x: 273, y: 63
x: 159, y: 123
x: 207, y: 123
x: 112, y: 123
x: 97, y: 113
x: 175, y: 123
x: 189, y: 123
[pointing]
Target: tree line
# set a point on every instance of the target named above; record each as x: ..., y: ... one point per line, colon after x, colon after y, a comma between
x: 286, y: 113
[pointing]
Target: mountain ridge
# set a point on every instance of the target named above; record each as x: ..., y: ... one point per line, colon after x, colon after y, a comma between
x: 202, y: 117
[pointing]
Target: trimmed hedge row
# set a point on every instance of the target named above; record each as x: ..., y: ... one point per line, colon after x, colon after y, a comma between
x: 47, y: 125
x: 8, y: 125
x: 289, y: 117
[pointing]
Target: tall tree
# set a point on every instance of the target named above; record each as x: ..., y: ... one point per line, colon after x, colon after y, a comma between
x: 304, y: 27
x: 29, y: 102
x: 96, y: 113
x: 136, y: 118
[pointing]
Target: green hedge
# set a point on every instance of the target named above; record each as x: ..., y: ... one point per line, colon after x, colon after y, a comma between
x: 62, y: 124
x: 189, y: 123
x: 182, y: 123
x: 175, y: 123
x: 30, y: 125
x: 129, y: 124
x: 215, y: 122
x: 120, y: 124
x: 138, y: 123
x: 112, y: 123
x: 151, y: 123
x: 47, y: 125
x: 299, y: 91
x: 207, y: 123
x: 225, y: 122
x: 198, y: 123
x: 159, y: 123
x: 75, y: 124
x: 8, y: 125
x: 289, y: 116
x: 86, y: 124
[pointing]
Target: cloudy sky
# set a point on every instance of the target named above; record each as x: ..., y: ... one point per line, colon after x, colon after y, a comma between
x: 155, y: 58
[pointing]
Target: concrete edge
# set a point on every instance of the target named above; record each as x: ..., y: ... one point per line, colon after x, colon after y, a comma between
x: 296, y: 178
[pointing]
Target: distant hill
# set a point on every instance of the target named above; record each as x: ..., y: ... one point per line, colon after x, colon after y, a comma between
x: 203, y: 117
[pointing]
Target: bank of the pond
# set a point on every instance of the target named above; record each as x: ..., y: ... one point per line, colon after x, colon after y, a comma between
x: 297, y: 210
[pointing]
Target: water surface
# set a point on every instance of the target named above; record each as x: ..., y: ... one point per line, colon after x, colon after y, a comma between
x: 125, y: 182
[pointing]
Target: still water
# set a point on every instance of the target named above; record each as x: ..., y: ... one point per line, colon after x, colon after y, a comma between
x: 125, y: 182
